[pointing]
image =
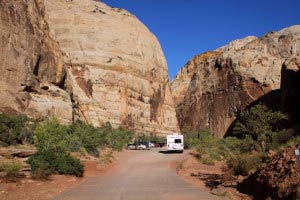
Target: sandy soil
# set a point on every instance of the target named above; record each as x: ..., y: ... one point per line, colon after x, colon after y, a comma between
x: 30, y: 189
x: 206, y: 177
x: 139, y: 175
x: 185, y: 165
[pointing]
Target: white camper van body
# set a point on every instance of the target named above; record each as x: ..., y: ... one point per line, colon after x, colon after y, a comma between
x: 175, y: 142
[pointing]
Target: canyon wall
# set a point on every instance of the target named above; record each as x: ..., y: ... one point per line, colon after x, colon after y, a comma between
x: 81, y: 59
x: 217, y: 85
x: 31, y: 63
x: 290, y: 89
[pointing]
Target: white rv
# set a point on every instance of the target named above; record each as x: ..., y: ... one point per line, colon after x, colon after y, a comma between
x: 175, y: 142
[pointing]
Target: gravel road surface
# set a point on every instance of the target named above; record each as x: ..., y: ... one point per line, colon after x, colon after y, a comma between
x: 139, y: 175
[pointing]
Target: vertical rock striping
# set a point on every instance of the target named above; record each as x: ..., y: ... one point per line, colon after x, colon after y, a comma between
x: 218, y: 85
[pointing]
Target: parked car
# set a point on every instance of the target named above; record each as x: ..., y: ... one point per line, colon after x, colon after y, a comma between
x: 161, y: 144
x: 141, y: 146
x: 131, y: 146
x: 151, y: 144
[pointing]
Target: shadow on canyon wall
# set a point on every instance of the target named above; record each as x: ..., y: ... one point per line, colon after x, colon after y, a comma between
x: 272, y: 100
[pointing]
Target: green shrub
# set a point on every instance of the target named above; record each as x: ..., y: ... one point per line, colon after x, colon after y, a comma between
x: 16, y: 129
x: 243, y: 163
x: 260, y: 123
x: 89, y: 137
x: 41, y: 164
x: 47, y: 162
x: 65, y: 164
x: 249, y: 145
x: 190, y: 137
x: 232, y: 143
x: 119, y: 138
x: 51, y: 135
x: 83, y: 151
x: 293, y: 141
x: 207, y: 161
x: 94, y: 138
x: 55, y: 142
x: 107, y: 157
x: 194, y: 138
x: 10, y: 169
x: 149, y: 138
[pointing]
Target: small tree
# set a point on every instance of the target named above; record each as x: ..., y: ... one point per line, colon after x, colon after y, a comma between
x: 16, y: 129
x: 260, y: 123
x: 51, y: 135
x: 54, y: 142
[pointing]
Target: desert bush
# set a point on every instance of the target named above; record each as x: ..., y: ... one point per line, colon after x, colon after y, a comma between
x: 205, y: 143
x: 190, y: 137
x: 260, y: 123
x: 243, y: 163
x: 83, y: 151
x: 232, y: 143
x: 292, y: 142
x: 119, y: 138
x: 89, y: 138
x: 249, y: 145
x: 194, y: 138
x: 257, y: 131
x: 47, y: 162
x: 54, y: 143
x: 51, y: 135
x: 10, y: 169
x: 211, y: 149
x: 149, y: 138
x: 107, y: 156
x: 207, y: 161
x: 16, y: 129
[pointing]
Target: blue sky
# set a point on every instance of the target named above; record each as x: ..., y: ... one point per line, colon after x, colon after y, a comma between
x: 189, y: 27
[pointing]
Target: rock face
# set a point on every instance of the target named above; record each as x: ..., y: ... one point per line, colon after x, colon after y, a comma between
x: 217, y: 85
x: 278, y: 179
x: 98, y: 64
x: 31, y: 63
x: 290, y: 89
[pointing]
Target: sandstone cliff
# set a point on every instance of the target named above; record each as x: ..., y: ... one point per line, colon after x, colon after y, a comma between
x: 218, y: 85
x: 31, y: 63
x: 97, y: 64
x: 290, y: 89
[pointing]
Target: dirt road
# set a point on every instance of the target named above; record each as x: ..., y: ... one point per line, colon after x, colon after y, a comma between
x: 139, y: 175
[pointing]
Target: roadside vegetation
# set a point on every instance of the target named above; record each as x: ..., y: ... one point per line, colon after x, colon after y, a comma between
x: 9, y: 170
x: 258, y: 132
x: 55, y: 143
x: 149, y: 138
x: 16, y: 130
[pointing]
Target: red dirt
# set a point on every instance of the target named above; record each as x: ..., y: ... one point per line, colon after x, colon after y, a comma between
x: 29, y: 189
x: 191, y: 166
x: 95, y: 168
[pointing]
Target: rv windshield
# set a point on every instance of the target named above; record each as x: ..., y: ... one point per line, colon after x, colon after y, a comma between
x: 177, y: 140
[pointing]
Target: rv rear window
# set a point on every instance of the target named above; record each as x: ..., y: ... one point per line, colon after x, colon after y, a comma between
x: 177, y: 140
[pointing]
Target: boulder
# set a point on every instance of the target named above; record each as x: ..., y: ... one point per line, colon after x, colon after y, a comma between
x: 278, y: 179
